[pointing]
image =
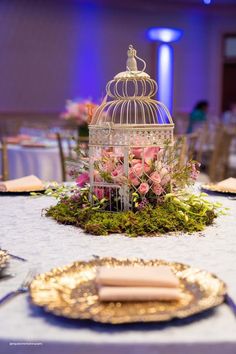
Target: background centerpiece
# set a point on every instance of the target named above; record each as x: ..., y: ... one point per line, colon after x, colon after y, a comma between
x: 79, y: 113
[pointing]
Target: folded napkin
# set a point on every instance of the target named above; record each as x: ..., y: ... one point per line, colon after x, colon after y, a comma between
x: 13, y: 140
x: 228, y: 184
x: 115, y: 293
x: 149, y: 276
x: 33, y: 144
x: 24, y: 184
x: 17, y: 139
x: 138, y: 283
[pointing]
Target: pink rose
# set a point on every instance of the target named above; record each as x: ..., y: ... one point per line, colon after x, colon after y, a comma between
x: 137, y: 152
x: 143, y: 188
x: 155, y: 177
x: 133, y: 179
x: 157, y: 189
x: 118, y: 170
x: 118, y: 174
x: 82, y: 179
x: 139, y: 169
x: 135, y: 161
x: 150, y: 153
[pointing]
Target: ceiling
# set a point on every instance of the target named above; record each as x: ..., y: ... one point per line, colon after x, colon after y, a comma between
x: 221, y: 2
x: 162, y: 2
x: 153, y: 4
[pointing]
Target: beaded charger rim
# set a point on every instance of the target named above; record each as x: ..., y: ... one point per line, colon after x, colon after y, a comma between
x: 71, y: 292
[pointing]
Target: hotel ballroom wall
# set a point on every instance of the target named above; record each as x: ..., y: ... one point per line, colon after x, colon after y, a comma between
x: 54, y: 50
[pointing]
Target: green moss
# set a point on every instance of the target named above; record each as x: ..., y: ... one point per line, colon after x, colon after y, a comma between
x: 187, y: 213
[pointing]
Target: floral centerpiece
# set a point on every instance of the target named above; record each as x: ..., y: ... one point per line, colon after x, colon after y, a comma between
x: 160, y: 202
x: 134, y: 180
x: 80, y: 113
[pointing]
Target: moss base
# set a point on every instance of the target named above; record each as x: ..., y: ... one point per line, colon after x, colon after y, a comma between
x: 173, y: 215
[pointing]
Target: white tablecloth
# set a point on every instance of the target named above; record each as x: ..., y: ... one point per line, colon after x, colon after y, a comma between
x: 46, y: 244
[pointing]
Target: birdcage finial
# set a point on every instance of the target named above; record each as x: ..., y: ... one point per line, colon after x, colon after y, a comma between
x: 131, y: 63
x: 132, y: 70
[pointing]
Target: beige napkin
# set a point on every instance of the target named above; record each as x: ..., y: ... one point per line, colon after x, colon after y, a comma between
x: 128, y: 283
x: 24, y: 184
x: 228, y: 184
x: 160, y: 276
x: 33, y: 144
x: 13, y: 140
x: 115, y: 293
x: 17, y: 139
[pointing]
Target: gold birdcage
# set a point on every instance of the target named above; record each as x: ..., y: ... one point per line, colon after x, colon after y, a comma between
x: 128, y: 124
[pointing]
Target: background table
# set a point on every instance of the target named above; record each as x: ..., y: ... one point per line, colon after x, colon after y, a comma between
x: 46, y: 244
x: 43, y: 162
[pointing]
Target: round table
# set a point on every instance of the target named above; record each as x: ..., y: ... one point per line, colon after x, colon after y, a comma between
x: 46, y: 244
x: 43, y: 162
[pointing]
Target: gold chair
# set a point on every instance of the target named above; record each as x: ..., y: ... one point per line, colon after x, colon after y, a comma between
x: 62, y: 157
x: 187, y: 147
x: 67, y: 138
x: 207, y: 141
x: 219, y: 162
x: 181, y: 120
x: 3, y: 150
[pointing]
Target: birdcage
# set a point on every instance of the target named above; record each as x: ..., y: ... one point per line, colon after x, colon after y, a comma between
x: 127, y: 137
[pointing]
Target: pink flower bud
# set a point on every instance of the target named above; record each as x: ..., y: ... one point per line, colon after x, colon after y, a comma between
x: 143, y: 188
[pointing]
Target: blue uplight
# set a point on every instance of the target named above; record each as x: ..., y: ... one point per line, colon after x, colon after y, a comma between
x: 165, y: 75
x: 207, y: 2
x: 164, y: 34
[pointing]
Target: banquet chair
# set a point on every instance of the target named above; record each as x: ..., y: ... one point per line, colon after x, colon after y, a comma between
x: 189, y: 148
x: 219, y: 163
x: 187, y: 145
x: 62, y: 157
x: 208, y: 138
x: 66, y: 150
x: 4, y: 158
x: 181, y: 120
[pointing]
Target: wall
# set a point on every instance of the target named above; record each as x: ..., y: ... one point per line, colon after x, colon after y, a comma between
x: 54, y: 50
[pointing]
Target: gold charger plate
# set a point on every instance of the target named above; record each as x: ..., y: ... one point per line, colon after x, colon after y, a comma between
x: 71, y: 292
x: 4, y: 257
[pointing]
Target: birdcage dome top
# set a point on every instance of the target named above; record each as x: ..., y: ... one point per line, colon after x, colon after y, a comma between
x: 130, y: 99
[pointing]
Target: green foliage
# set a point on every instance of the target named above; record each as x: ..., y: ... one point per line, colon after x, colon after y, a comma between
x: 182, y: 212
